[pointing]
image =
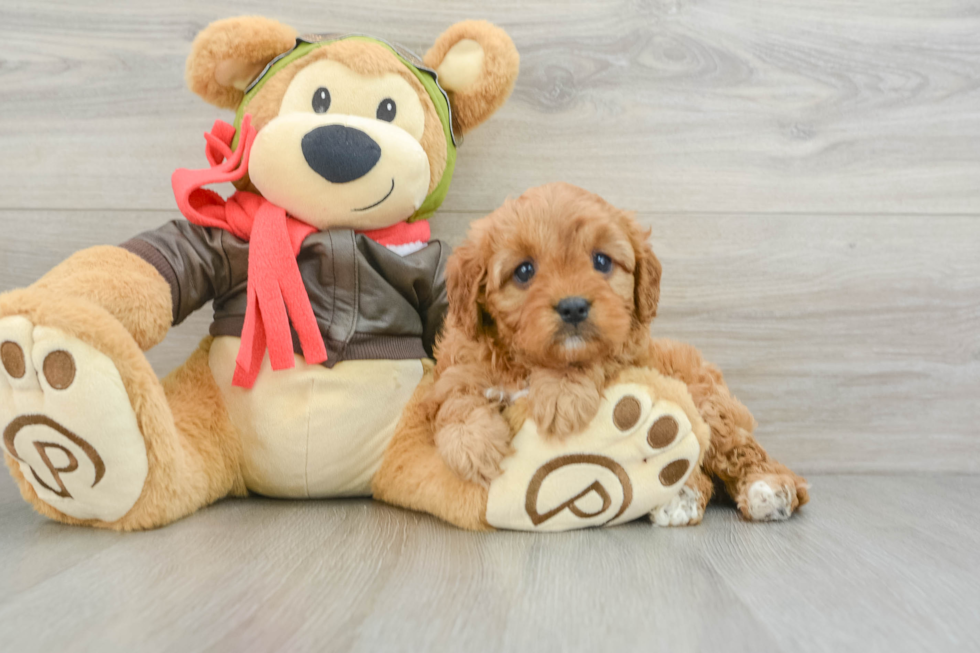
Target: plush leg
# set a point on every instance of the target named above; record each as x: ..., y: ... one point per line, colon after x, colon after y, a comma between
x: 413, y: 475
x: 90, y: 434
x: 763, y: 488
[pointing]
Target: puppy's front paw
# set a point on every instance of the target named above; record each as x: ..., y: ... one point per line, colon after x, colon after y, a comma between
x: 685, y: 509
x: 474, y: 448
x: 561, y: 406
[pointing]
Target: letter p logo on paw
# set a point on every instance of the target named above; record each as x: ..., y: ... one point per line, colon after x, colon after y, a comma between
x: 66, y: 420
x: 42, y: 448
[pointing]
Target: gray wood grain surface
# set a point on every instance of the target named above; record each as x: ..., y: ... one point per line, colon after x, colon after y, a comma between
x: 886, y: 563
x: 810, y: 170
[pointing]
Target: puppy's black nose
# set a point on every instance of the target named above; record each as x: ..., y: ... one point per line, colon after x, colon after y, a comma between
x: 573, y: 309
x: 340, y: 154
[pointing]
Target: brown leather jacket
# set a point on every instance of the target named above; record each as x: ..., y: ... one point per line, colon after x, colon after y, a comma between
x: 370, y: 303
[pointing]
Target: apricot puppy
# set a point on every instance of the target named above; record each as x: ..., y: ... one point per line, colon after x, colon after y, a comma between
x: 552, y: 295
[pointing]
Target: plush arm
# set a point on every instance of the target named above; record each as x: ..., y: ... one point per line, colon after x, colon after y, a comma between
x: 154, y: 280
x: 435, y: 304
x: 125, y: 285
x: 198, y: 263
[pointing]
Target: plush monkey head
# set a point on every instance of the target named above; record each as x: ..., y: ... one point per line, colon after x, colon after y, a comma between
x: 352, y: 131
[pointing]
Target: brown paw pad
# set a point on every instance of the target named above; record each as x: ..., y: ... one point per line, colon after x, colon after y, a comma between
x: 12, y: 357
x: 627, y: 413
x: 662, y: 432
x: 59, y: 369
x: 673, y: 472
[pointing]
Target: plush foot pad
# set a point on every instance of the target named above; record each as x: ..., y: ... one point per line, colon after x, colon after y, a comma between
x: 683, y: 510
x: 66, y: 420
x: 634, y: 456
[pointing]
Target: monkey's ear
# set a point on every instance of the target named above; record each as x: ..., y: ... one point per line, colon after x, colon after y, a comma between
x: 466, y: 278
x: 228, y: 54
x: 477, y: 64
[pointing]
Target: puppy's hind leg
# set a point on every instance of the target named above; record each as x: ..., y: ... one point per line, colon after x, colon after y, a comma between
x: 764, y: 489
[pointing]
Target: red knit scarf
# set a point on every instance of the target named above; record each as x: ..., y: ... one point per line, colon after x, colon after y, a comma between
x: 274, y: 281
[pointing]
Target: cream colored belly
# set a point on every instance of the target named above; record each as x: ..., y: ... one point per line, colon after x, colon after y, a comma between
x: 310, y: 431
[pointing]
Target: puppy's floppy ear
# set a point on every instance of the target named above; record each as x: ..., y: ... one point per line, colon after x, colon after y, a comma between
x: 646, y: 274
x: 466, y: 278
x: 477, y: 64
x: 227, y: 55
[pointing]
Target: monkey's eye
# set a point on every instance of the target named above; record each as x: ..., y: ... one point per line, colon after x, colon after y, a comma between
x: 386, y: 110
x: 321, y: 100
x: 524, y: 272
x: 602, y: 262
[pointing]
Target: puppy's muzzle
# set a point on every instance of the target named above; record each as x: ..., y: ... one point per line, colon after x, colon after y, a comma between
x: 573, y: 310
x: 340, y: 154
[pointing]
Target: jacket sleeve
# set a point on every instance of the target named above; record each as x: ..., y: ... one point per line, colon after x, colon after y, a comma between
x: 196, y: 261
x: 433, y: 306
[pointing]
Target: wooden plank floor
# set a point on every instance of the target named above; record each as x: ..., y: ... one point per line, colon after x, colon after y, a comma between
x: 810, y: 170
x: 883, y: 563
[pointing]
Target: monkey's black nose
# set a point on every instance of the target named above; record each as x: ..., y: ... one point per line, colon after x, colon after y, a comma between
x: 340, y: 154
x: 573, y: 309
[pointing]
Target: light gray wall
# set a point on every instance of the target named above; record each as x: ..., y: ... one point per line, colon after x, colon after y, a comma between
x: 810, y: 170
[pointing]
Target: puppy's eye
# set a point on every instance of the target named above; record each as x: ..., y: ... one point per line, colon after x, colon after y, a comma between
x: 386, y: 110
x: 602, y: 262
x: 321, y: 100
x: 524, y: 272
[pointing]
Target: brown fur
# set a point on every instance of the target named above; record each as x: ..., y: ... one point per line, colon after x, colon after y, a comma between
x: 501, y: 334
x: 500, y: 65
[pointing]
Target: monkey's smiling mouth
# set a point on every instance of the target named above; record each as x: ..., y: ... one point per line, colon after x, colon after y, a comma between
x: 390, y: 191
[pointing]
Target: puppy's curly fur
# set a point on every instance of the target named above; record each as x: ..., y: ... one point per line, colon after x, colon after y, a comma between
x: 507, y: 333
